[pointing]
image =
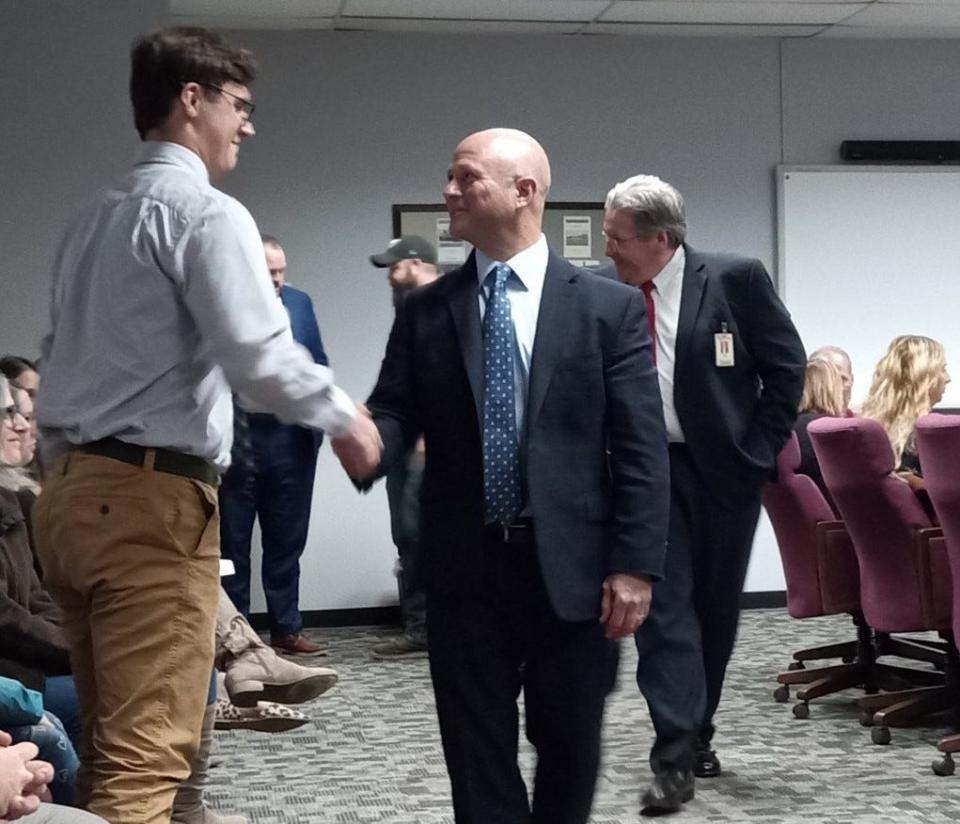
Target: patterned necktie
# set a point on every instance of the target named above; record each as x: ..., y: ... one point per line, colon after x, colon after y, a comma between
x: 648, y: 288
x: 501, y: 449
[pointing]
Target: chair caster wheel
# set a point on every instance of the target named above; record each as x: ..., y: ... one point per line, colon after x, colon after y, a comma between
x: 944, y: 766
x: 880, y: 735
x: 801, y: 710
x: 866, y: 718
x: 796, y: 665
x: 781, y: 694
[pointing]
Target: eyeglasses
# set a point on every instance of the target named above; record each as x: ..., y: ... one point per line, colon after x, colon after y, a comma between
x: 618, y: 241
x: 243, y: 106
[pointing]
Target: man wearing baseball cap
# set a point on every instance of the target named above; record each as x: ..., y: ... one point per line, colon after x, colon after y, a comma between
x: 412, y: 261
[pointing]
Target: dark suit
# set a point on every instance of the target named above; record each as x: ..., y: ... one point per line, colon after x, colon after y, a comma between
x: 735, y: 420
x: 501, y: 617
x: 276, y: 484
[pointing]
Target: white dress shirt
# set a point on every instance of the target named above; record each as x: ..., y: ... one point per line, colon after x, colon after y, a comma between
x: 524, y: 290
x: 161, y: 303
x: 668, y: 286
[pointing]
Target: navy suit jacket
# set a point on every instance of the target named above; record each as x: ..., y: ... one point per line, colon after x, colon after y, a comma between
x: 303, y: 322
x: 306, y: 332
x: 737, y: 418
x: 594, y: 452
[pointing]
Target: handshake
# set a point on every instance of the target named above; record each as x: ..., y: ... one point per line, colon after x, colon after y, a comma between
x: 360, y: 448
x: 23, y: 779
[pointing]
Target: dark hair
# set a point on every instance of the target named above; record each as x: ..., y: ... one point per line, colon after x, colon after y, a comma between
x: 13, y: 366
x: 270, y: 240
x: 162, y: 61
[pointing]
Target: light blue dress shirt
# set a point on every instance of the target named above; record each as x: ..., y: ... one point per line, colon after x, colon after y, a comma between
x: 161, y: 304
x: 524, y: 291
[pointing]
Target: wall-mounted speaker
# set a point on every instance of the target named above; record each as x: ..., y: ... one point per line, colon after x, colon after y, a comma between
x: 900, y: 151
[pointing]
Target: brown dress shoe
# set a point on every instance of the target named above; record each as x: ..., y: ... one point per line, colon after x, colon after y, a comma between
x: 297, y: 644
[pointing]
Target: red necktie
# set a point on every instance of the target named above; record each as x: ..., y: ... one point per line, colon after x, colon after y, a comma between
x: 651, y: 315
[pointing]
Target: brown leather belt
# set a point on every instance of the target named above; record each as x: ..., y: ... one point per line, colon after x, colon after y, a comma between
x: 518, y: 532
x: 165, y: 460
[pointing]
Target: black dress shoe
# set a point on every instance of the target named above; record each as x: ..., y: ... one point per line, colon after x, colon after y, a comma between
x: 705, y: 762
x: 667, y: 794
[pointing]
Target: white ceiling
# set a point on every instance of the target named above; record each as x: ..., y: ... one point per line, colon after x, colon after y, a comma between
x: 709, y: 18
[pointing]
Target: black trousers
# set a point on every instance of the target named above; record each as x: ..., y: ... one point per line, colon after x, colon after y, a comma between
x: 687, y: 640
x: 487, y: 646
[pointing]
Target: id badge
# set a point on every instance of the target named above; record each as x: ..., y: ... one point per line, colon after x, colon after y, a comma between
x: 723, y: 347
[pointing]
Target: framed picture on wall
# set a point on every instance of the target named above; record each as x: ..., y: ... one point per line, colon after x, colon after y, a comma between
x: 573, y: 229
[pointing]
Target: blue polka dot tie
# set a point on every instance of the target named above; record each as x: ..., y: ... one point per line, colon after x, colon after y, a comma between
x: 501, y: 449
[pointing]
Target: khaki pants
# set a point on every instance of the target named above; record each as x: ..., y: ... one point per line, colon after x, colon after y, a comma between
x: 132, y: 557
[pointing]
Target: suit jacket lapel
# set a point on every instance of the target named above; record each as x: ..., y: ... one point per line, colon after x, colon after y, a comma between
x: 465, y: 308
x: 554, y: 319
x: 691, y: 298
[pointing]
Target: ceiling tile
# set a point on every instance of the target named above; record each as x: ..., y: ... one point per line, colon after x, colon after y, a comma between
x: 458, y: 26
x: 563, y: 10
x: 910, y: 15
x: 254, y: 8
x: 892, y: 33
x: 702, y: 30
x: 723, y: 11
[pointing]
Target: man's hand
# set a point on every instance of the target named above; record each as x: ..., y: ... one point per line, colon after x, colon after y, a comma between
x: 360, y: 449
x: 23, y: 780
x: 625, y: 604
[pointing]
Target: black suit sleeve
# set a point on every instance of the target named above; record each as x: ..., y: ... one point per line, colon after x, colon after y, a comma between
x: 392, y: 402
x: 780, y: 362
x: 637, y: 449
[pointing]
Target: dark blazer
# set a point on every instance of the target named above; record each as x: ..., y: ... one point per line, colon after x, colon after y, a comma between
x: 594, y: 448
x: 306, y: 332
x: 735, y: 419
x: 809, y: 465
x: 303, y: 322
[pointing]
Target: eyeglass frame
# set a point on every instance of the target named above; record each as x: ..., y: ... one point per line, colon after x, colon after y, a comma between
x: 619, y: 241
x: 9, y: 413
x: 247, y: 107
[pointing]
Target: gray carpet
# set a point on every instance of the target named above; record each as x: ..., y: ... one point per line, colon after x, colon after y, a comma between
x: 372, y: 753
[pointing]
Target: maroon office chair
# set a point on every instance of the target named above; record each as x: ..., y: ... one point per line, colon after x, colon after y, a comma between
x: 822, y: 577
x: 904, y: 573
x: 938, y: 443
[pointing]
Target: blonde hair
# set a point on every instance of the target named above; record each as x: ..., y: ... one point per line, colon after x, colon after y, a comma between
x: 900, y: 391
x: 822, y: 389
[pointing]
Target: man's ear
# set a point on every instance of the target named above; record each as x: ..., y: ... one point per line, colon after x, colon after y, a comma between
x: 189, y: 98
x: 526, y: 189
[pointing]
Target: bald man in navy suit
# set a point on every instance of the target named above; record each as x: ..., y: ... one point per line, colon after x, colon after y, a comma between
x: 545, y: 494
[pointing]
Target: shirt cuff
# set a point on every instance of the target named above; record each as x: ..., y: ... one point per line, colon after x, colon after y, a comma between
x: 339, y: 412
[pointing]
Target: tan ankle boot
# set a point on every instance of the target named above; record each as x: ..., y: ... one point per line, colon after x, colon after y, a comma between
x: 259, y: 674
x: 189, y: 806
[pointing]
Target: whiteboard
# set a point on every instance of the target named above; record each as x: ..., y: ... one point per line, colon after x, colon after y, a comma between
x: 867, y: 253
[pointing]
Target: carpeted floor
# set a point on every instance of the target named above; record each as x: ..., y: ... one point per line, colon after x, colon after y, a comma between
x: 372, y: 753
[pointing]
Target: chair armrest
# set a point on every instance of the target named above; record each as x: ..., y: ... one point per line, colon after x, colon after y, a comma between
x: 933, y: 572
x: 837, y: 568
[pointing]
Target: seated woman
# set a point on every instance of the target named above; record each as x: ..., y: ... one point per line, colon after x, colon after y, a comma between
x: 823, y: 396
x: 22, y: 716
x: 33, y: 649
x: 908, y: 382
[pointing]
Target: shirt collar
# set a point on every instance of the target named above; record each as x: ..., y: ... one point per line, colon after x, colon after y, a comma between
x: 163, y: 151
x: 668, y: 277
x: 529, y: 265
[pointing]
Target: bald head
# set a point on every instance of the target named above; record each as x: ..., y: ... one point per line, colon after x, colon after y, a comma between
x: 496, y: 188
